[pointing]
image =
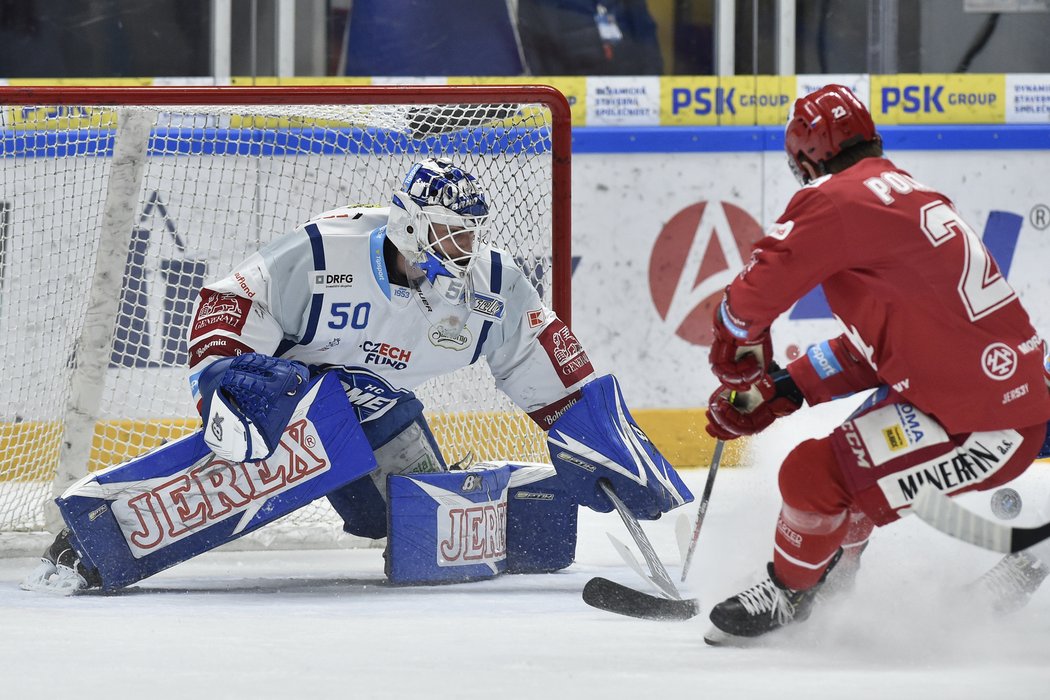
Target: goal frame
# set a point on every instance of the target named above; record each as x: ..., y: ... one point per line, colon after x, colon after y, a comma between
x: 451, y: 95
x: 546, y: 95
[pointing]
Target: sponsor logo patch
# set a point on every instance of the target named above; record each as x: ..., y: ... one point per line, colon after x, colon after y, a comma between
x: 790, y: 535
x: 977, y: 459
x: 450, y: 337
x: 489, y: 306
x: 473, y: 535
x: 385, y: 354
x: 895, y: 439
x: 213, y: 490
x: 243, y: 284
x: 219, y: 346
x: 327, y: 280
x: 566, y: 353
x: 220, y: 312
x: 999, y: 361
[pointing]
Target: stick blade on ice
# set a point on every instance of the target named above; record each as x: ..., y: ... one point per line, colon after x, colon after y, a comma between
x: 613, y: 597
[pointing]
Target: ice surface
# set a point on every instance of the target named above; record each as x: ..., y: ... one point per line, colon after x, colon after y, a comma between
x: 324, y: 624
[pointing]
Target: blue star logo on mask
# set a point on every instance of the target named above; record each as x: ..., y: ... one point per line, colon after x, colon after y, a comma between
x: 433, y: 267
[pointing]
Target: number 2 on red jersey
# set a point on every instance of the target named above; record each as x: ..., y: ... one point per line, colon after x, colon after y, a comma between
x: 982, y: 287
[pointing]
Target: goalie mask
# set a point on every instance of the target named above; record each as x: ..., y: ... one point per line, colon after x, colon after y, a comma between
x: 439, y: 220
x: 823, y: 124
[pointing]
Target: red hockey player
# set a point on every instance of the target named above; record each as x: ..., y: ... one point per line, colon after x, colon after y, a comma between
x: 960, y: 400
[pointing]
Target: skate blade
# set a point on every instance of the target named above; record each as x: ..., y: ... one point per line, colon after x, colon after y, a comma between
x: 718, y: 638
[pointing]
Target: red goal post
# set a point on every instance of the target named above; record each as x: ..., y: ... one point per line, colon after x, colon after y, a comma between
x: 116, y: 203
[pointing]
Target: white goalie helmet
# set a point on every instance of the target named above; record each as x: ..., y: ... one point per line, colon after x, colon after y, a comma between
x: 439, y: 219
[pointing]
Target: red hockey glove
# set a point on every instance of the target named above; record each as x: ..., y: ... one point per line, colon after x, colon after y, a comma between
x: 738, y: 362
x: 732, y: 414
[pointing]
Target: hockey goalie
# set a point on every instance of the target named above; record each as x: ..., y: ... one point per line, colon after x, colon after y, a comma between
x: 303, y: 361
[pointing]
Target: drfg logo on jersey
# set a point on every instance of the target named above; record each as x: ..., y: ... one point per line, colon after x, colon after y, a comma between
x: 698, y: 253
x: 170, y: 508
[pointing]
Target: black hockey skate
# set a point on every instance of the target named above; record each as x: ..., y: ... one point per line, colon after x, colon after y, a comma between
x: 61, y: 571
x: 842, y: 579
x: 1008, y: 586
x: 761, y: 609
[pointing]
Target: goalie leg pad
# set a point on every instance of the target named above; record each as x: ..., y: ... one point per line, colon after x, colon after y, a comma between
x: 135, y: 519
x: 403, y: 444
x: 597, y: 439
x: 449, y: 527
x: 541, y: 521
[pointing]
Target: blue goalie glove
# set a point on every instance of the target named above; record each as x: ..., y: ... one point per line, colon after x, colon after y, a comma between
x: 597, y: 439
x: 246, y: 403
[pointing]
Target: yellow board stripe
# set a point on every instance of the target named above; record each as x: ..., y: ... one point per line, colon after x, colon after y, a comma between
x: 29, y: 450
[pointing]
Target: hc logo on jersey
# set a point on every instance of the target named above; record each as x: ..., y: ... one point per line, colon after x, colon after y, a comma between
x: 368, y: 393
x: 999, y: 361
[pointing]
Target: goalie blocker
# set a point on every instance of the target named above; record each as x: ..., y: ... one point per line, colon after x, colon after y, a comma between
x: 180, y: 500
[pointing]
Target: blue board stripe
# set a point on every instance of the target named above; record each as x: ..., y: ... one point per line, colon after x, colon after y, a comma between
x: 749, y: 139
x: 655, y: 139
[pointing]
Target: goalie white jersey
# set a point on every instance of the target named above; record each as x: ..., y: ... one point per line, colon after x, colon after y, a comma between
x: 322, y: 295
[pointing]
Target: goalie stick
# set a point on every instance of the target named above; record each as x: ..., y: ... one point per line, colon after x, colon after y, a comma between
x: 716, y: 459
x: 657, y: 571
x: 951, y: 518
x: 613, y: 597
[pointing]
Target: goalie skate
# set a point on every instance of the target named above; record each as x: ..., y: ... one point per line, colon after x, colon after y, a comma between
x: 60, y: 571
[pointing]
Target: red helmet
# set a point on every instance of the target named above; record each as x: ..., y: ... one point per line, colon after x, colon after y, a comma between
x: 824, y: 123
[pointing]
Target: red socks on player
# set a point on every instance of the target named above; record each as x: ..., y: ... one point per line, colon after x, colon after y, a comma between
x: 816, y: 518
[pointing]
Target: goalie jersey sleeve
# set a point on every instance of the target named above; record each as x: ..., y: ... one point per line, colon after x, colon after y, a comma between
x: 322, y: 295
x: 535, y: 358
x: 921, y: 299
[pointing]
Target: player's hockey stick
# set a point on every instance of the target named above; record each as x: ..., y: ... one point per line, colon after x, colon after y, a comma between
x: 608, y: 595
x: 716, y: 459
x: 949, y: 517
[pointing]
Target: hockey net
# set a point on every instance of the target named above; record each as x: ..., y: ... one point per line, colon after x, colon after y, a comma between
x: 116, y: 205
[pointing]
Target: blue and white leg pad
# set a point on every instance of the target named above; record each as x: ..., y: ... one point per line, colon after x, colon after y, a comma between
x: 596, y: 440
x: 180, y: 500
x: 476, y: 524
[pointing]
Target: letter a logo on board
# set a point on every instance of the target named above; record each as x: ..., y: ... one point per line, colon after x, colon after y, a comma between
x: 700, y: 250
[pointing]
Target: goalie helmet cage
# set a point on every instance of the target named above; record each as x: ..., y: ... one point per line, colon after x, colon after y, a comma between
x: 117, y: 204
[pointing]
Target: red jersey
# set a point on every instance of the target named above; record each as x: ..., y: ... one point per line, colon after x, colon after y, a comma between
x: 918, y: 293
